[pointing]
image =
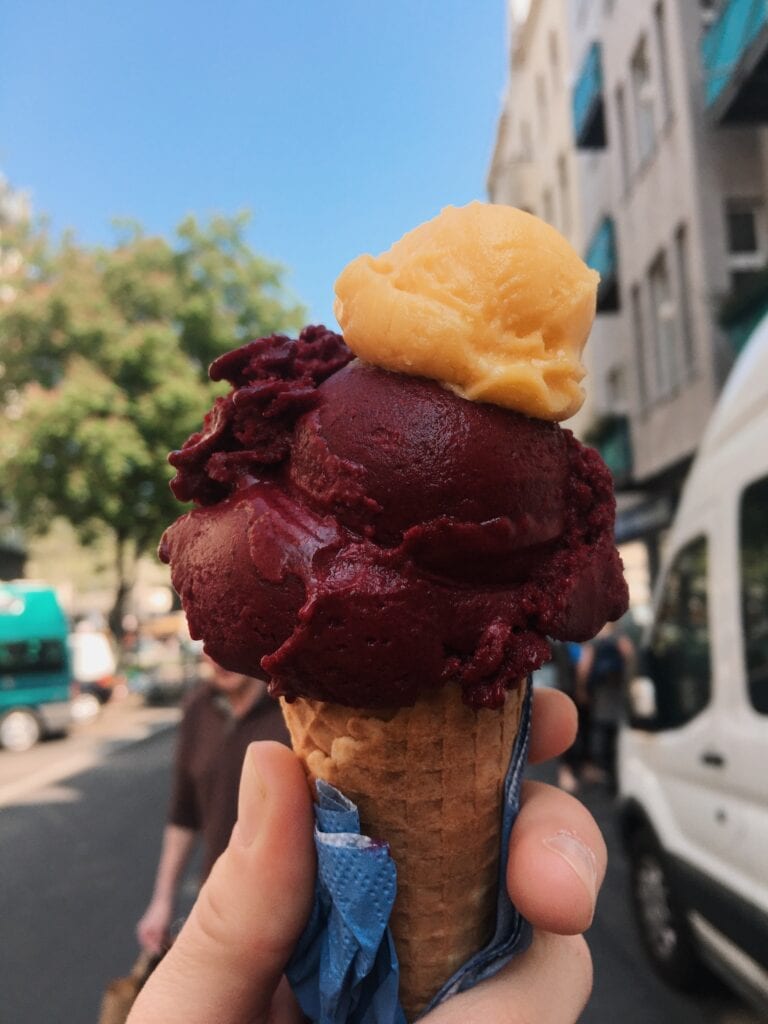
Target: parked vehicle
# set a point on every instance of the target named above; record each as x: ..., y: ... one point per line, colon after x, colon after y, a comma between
x: 35, y: 677
x: 164, y: 663
x: 94, y: 668
x: 692, y: 763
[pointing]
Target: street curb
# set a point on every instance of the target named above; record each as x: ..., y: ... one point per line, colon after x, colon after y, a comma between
x: 18, y: 790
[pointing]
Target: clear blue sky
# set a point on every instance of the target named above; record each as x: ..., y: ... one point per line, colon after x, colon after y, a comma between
x: 339, y: 123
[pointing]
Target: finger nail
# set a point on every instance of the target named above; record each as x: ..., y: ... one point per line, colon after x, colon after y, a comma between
x: 251, y: 802
x: 579, y: 858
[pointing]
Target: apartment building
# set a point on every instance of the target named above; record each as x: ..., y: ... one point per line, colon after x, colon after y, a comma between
x: 534, y: 160
x: 532, y: 164
x: 669, y: 102
x: 537, y: 166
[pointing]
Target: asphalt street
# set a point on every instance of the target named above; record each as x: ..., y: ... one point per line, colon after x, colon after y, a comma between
x: 77, y: 860
x: 626, y: 989
x: 76, y: 868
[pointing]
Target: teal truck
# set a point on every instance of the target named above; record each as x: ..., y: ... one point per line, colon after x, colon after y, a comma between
x: 35, y: 676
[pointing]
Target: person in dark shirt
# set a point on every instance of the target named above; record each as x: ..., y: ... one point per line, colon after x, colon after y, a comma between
x: 602, y: 674
x: 565, y: 659
x: 220, y: 720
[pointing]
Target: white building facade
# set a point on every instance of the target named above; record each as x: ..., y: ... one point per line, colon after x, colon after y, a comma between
x: 669, y: 103
x: 535, y: 161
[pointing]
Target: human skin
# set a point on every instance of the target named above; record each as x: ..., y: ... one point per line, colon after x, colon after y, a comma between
x: 227, y: 964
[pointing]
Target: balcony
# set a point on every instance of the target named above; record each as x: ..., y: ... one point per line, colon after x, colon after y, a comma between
x: 610, y: 435
x: 742, y: 311
x: 588, y: 105
x: 734, y: 52
x: 601, y: 256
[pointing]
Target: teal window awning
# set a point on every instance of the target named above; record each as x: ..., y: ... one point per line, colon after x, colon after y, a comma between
x: 734, y: 54
x: 587, y: 102
x: 611, y: 436
x: 602, y: 256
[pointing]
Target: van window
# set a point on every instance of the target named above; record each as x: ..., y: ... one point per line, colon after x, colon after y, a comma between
x: 678, y: 657
x: 26, y: 656
x: 754, y: 590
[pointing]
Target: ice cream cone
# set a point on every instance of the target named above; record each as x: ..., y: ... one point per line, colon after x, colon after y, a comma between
x: 428, y: 779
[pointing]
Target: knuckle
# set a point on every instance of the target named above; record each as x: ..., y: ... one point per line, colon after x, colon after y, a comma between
x: 213, y: 917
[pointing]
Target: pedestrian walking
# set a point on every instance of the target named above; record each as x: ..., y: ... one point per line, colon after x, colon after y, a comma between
x: 565, y: 659
x: 221, y: 718
x: 601, y: 684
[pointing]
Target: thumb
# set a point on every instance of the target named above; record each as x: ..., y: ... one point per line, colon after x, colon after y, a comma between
x: 230, y: 955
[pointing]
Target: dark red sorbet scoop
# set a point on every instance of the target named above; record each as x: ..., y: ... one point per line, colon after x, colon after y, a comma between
x: 363, y: 537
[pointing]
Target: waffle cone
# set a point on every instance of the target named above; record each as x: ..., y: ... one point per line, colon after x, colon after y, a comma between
x: 429, y: 780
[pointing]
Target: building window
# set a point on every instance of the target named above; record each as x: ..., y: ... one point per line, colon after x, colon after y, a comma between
x: 621, y: 117
x: 746, y: 240
x: 660, y: 31
x: 566, y: 225
x: 541, y: 103
x: 664, y: 331
x: 548, y: 206
x: 616, y: 389
x: 641, y: 353
x: 684, y: 299
x: 642, y: 94
x: 753, y: 537
x: 554, y: 60
x: 710, y: 9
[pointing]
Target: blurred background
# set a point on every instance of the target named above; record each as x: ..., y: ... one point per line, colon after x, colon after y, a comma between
x: 176, y: 181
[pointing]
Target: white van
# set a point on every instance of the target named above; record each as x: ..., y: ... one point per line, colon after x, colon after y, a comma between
x: 693, y: 762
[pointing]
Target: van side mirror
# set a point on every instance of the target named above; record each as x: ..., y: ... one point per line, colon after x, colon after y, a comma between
x: 643, y: 707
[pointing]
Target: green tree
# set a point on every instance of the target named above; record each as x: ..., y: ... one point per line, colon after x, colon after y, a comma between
x: 103, y: 368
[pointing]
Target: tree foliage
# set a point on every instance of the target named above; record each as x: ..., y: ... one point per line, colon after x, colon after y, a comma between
x: 103, y: 366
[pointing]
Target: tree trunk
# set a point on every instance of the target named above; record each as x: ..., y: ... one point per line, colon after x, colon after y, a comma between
x: 125, y: 583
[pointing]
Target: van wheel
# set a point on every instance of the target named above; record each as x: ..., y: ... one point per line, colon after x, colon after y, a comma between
x: 19, y: 730
x: 661, y: 918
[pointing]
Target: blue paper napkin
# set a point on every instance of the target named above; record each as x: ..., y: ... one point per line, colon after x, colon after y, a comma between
x: 344, y: 969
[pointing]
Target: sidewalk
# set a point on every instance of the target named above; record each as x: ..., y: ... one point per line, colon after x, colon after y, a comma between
x: 26, y: 778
